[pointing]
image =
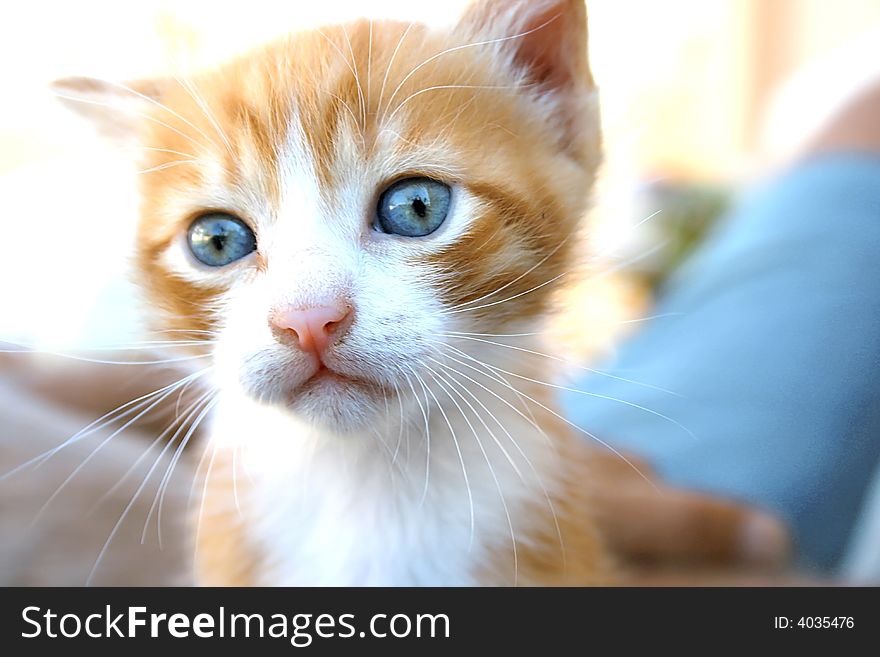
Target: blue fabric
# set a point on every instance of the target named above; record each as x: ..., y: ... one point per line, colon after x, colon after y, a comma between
x: 773, y: 344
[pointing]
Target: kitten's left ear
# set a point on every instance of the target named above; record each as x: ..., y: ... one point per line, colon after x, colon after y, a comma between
x: 546, y: 40
x: 116, y: 110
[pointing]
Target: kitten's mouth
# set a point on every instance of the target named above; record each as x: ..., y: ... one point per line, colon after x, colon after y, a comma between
x: 328, y: 378
x: 333, y: 399
x: 324, y: 391
x: 325, y: 374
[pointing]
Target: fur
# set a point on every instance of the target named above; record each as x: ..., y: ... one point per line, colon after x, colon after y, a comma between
x: 437, y: 458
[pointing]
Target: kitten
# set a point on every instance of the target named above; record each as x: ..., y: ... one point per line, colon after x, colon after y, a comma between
x: 365, y: 224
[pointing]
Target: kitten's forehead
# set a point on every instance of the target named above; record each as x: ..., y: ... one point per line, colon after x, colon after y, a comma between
x: 310, y: 129
x: 348, y: 93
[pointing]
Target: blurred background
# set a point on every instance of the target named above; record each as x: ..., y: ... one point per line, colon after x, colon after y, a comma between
x: 699, y: 98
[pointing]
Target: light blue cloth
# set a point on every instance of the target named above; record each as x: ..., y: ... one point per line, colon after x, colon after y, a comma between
x: 773, y: 343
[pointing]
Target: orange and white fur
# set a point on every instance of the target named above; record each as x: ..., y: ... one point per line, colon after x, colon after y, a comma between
x: 378, y: 419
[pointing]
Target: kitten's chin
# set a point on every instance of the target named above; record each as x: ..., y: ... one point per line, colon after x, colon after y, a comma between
x: 335, y: 402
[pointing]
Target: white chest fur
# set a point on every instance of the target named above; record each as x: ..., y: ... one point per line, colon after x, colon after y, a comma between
x: 357, y: 510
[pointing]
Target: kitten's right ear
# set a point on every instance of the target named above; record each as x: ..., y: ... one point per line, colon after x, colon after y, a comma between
x: 546, y: 42
x: 116, y: 110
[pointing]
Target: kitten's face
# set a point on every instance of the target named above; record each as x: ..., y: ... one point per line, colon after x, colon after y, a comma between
x: 350, y: 292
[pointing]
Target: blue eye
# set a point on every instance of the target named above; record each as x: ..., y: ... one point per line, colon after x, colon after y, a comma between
x: 218, y: 239
x: 414, y: 207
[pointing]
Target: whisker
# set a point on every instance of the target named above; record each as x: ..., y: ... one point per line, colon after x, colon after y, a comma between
x: 190, y: 88
x: 465, y: 46
x: 153, y: 345
x: 400, y: 432
x: 626, y: 264
x: 495, y: 335
x: 121, y: 480
x: 166, y: 165
x: 494, y: 377
x: 391, y: 64
x: 519, y: 449
x: 94, y: 452
x: 479, y: 417
x: 122, y: 517
x: 562, y: 360
x: 461, y: 461
x: 370, y: 64
x: 153, y: 119
x: 206, y: 403
x: 650, y: 318
x: 160, y: 106
x: 603, y: 254
x: 167, y: 150
x: 348, y: 109
x: 235, y: 480
x: 600, y: 396
x: 454, y: 86
x: 202, y: 501
x: 96, y: 425
x: 568, y: 422
x: 440, y: 379
x: 357, y: 80
x: 348, y: 64
x: 515, y: 280
x: 427, y: 431
x: 515, y: 296
x: 185, y: 330
x: 27, y: 350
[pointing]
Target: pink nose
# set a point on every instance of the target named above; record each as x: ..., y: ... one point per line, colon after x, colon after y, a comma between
x: 314, y: 327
